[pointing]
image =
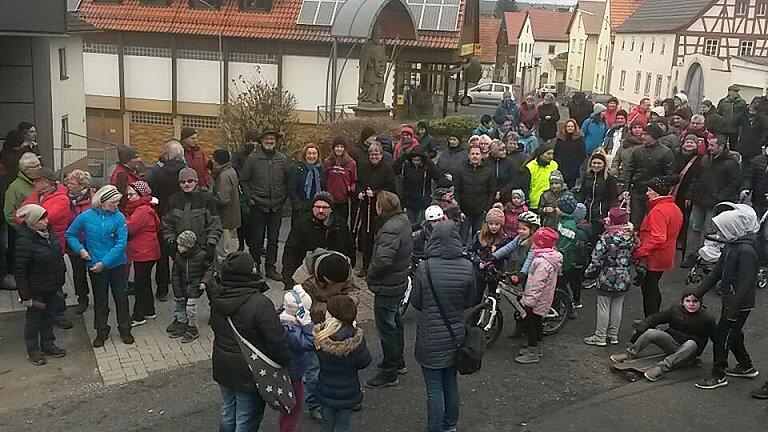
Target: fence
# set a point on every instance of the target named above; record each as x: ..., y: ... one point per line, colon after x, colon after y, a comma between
x: 342, y: 112
x: 98, y: 157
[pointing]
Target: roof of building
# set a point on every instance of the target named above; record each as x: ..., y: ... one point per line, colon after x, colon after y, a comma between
x: 514, y: 22
x: 622, y: 9
x: 75, y: 24
x: 558, y: 63
x: 655, y: 16
x: 489, y: 33
x: 593, y: 19
x: 280, y: 23
x: 549, y: 25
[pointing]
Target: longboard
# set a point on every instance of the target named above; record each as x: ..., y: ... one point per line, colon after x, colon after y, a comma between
x: 642, y: 364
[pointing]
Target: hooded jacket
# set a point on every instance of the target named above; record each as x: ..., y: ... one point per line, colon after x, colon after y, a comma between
x: 341, y: 356
x: 683, y: 326
x: 646, y: 162
x: 19, y: 189
x: 737, y: 267
x: 340, y: 178
x: 453, y: 280
x: 190, y: 269
x: 594, y: 128
x: 611, y: 262
x: 719, y: 180
x: 143, y: 227
x: 38, y: 265
x: 391, y: 258
x: 475, y: 188
x: 504, y: 111
x: 416, y: 187
x: 658, y: 234
x: 320, y: 291
x: 542, y: 280
x: 308, y: 234
x: 539, y: 180
x: 451, y: 159
x: 265, y: 179
x: 598, y: 192
x: 240, y: 297
x: 59, y: 209
x: 732, y: 112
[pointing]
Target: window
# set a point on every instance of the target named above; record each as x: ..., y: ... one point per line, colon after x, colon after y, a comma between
x: 573, y: 45
x: 622, y: 79
x: 623, y: 42
x: 600, y: 53
x: 647, y: 91
x: 63, y: 64
x: 253, y: 58
x: 581, y: 46
x: 570, y: 72
x: 64, y: 130
x: 663, y: 47
x: 151, y: 118
x: 200, y: 122
x: 155, y: 2
x: 761, y: 8
x: 642, y: 45
x: 146, y: 51
x: 551, y: 49
x: 486, y: 87
x: 658, y: 86
x: 653, y: 44
x: 742, y: 6
x: 638, y: 77
x: 578, y: 73
x: 632, y: 47
x: 99, y: 48
x: 746, y: 48
x: 441, y: 15
x: 710, y: 47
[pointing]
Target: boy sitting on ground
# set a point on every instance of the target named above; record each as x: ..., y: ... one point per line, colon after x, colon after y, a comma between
x: 690, y: 326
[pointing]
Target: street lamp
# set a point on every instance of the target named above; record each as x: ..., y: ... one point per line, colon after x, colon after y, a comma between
x: 221, y: 51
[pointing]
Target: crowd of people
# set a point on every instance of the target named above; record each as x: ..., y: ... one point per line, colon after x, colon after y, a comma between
x: 603, y: 199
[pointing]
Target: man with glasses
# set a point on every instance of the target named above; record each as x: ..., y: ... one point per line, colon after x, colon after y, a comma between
x: 318, y: 229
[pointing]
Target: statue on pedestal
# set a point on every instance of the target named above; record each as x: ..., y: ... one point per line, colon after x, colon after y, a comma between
x: 373, y: 67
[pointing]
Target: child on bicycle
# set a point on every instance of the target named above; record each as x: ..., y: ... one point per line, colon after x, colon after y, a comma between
x: 518, y: 253
x: 490, y: 238
x: 514, y: 206
x: 611, y: 265
x: 539, y: 291
x: 567, y: 244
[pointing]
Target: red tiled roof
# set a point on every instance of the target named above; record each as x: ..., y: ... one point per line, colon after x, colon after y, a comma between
x: 276, y: 24
x: 622, y: 9
x: 549, y: 25
x: 489, y: 33
x: 514, y: 22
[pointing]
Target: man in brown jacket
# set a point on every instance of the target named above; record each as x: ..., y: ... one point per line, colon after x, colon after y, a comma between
x: 227, y: 194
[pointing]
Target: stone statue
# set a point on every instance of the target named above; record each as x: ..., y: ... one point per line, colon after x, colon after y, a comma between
x: 373, y: 66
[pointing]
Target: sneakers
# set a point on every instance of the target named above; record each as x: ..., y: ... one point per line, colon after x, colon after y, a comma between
x: 190, y: 334
x: 37, y: 358
x: 760, y: 393
x: 127, y: 338
x: 595, y: 340
x: 54, y: 351
x: 153, y: 316
x: 712, y: 382
x: 138, y: 322
x: 314, y: 414
x: 273, y: 274
x: 740, y: 371
x: 81, y: 308
x: 402, y: 370
x: 382, y: 379
x: 176, y: 329
x: 621, y: 357
x: 529, y: 355
x: 653, y: 374
x: 613, y: 340
x: 577, y: 305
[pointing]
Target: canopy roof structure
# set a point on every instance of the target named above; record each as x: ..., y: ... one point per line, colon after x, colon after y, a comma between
x: 357, y: 19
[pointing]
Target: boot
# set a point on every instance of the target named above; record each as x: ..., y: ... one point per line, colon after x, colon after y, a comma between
x: 36, y: 357
x: 531, y: 355
x: 174, y: 327
x: 382, y: 379
x: 127, y: 337
x: 101, y: 337
x: 53, y: 351
x: 179, y: 331
x: 761, y: 393
x: 190, y: 334
x: 274, y: 275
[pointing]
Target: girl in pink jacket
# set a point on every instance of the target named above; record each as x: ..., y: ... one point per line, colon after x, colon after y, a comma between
x: 539, y: 291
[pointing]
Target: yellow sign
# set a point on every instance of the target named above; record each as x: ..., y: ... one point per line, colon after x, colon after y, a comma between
x: 467, y: 49
x: 478, y: 48
x: 400, y: 99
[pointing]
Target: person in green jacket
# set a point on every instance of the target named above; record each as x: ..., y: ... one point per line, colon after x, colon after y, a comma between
x: 567, y: 245
x: 21, y: 187
x: 732, y: 110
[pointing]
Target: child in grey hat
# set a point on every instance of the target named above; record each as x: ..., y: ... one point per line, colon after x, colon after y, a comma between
x: 190, y: 275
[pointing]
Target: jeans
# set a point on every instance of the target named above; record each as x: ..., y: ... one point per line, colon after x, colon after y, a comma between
x: 79, y: 278
x: 442, y: 398
x: 38, y: 324
x: 676, y: 354
x: 262, y: 222
x: 336, y: 419
x: 290, y: 422
x: 142, y: 285
x: 310, y: 380
x: 113, y: 280
x: 240, y: 411
x: 609, y: 310
x: 728, y: 336
x: 651, y: 292
x: 389, y: 324
x: 699, y: 224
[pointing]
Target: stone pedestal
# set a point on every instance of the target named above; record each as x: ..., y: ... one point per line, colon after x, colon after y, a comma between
x: 371, y: 110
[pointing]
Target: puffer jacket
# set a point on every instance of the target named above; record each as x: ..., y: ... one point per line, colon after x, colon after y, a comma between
x: 194, y: 211
x: 164, y: 181
x: 106, y: 236
x: 189, y: 270
x: 594, y: 130
x: 683, y: 326
x: 719, y: 180
x: 451, y: 159
x: 611, y: 262
x: 542, y: 280
x: 319, y: 290
x: 340, y: 357
x: 308, y: 234
x: 475, y: 188
x: 59, y: 210
x: 598, y: 193
x: 301, y: 340
x: 567, y: 243
x: 39, y: 265
x: 143, y: 227
x: 391, y: 259
x: 658, y: 234
x: 646, y: 162
x: 265, y: 179
x: 240, y: 297
x: 416, y: 186
x: 732, y: 112
x: 453, y: 281
x: 19, y: 189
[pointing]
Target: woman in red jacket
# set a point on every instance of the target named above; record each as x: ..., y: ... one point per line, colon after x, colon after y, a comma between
x: 340, y: 177
x: 79, y: 189
x: 143, y: 248
x: 658, y: 240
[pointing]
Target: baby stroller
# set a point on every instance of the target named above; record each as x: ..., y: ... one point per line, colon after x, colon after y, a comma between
x: 705, y: 262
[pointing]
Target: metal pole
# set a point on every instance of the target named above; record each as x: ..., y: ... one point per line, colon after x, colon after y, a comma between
x: 445, y: 90
x: 334, y: 66
x: 456, y: 92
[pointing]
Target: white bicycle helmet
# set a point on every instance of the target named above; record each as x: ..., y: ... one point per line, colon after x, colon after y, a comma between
x: 433, y: 213
x: 529, y: 217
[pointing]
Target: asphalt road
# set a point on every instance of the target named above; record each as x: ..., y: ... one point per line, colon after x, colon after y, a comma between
x: 573, y: 388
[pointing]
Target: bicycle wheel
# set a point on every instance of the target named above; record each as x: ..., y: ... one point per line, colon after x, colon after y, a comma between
x: 492, y: 334
x: 558, y: 314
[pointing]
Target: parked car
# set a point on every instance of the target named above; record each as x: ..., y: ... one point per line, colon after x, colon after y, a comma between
x: 487, y: 93
x: 547, y: 88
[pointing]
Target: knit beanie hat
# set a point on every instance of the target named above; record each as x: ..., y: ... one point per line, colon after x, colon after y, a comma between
x: 443, y: 194
x: 545, y: 238
x: 618, y: 216
x: 366, y: 133
x: 518, y: 192
x: 682, y: 96
x: 339, y: 141
x: 556, y: 175
x: 240, y: 263
x: 406, y: 128
x: 637, y: 121
x: 659, y: 110
x: 495, y: 214
x: 126, y: 154
x: 541, y: 149
x: 141, y: 187
x: 567, y: 203
x: 691, y: 137
x: 598, y: 108
x: 654, y: 130
x: 106, y: 194
x: 323, y: 196
x: 581, y: 212
x: 187, y: 239
x: 333, y: 266
x: 187, y: 132
x: 188, y: 174
x: 291, y: 306
x: 661, y: 185
x: 456, y: 134
x: 31, y: 213
x: 343, y: 308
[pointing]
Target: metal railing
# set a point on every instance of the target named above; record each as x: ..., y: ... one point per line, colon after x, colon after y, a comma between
x: 98, y: 157
x: 342, y: 112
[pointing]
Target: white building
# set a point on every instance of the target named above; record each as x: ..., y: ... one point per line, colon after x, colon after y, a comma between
x: 583, y: 32
x: 541, y: 39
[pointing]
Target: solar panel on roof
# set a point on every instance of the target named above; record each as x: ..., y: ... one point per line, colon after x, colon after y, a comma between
x: 320, y: 13
x: 436, y: 15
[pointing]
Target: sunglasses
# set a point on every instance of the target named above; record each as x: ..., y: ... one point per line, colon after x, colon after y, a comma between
x: 187, y: 181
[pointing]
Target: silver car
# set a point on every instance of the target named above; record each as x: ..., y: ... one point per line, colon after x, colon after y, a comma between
x: 487, y: 93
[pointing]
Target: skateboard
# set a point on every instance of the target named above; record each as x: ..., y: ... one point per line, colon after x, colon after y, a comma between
x: 641, y: 364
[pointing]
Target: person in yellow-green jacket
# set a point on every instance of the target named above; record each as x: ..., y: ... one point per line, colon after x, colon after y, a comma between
x: 539, y: 168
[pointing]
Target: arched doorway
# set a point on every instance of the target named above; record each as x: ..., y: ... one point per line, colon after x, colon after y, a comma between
x: 694, y: 86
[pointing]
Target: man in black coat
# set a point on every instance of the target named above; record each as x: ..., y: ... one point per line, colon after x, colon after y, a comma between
x: 475, y: 189
x: 418, y: 173
x: 318, y: 229
x: 647, y: 161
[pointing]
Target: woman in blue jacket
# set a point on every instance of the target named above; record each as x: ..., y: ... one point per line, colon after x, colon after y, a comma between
x: 103, y: 251
x: 594, y: 129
